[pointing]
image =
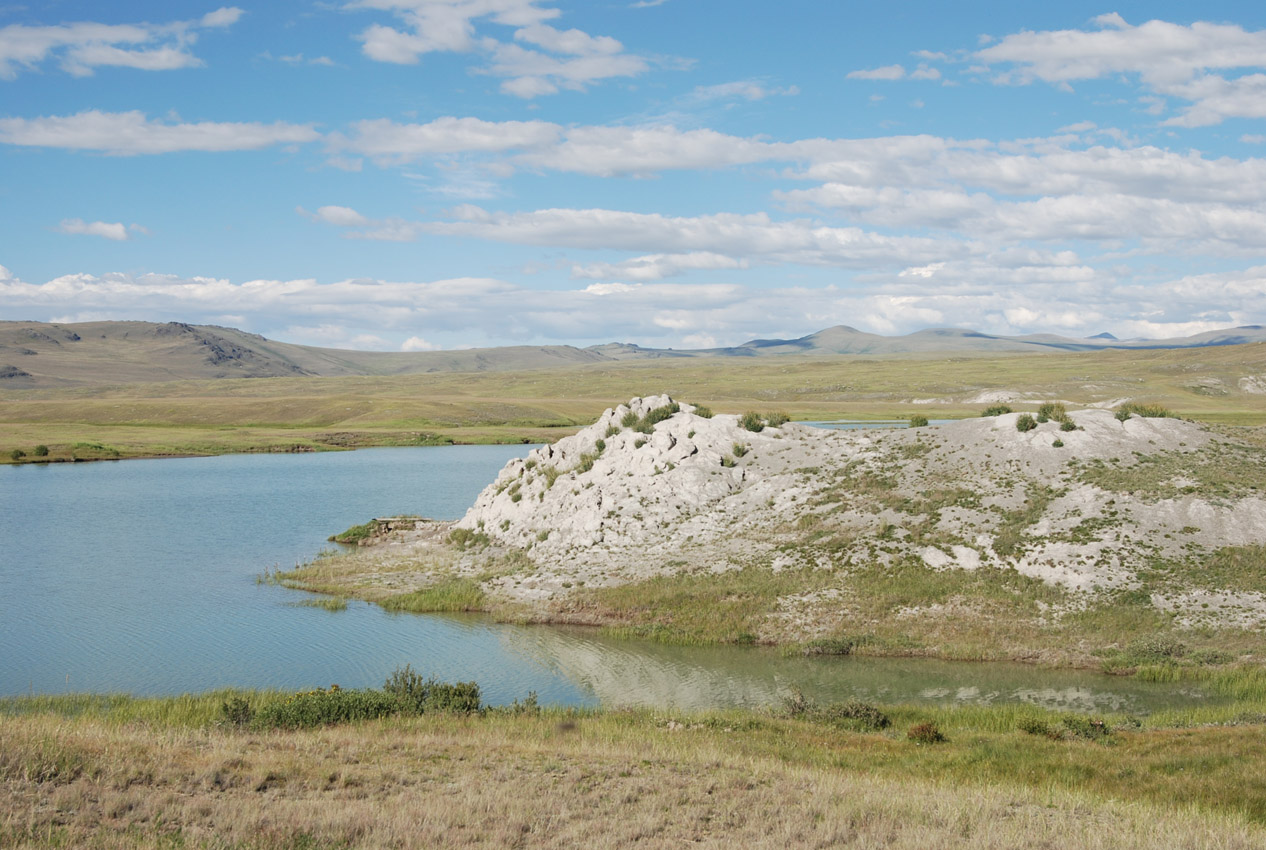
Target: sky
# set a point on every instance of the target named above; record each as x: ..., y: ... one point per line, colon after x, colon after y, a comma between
x: 437, y: 174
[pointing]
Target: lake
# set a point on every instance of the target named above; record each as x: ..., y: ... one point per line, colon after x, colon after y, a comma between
x: 139, y: 577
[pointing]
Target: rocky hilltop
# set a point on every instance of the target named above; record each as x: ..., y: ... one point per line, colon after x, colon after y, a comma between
x: 1092, y: 502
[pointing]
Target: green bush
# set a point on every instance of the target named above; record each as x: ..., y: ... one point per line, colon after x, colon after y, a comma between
x: 752, y: 421
x: 612, y: 430
x: 1059, y: 444
x: 1025, y: 422
x: 629, y: 420
x: 41, y: 450
x: 1081, y: 726
x: 918, y: 421
x: 1156, y: 648
x: 1036, y: 726
x: 739, y: 450
x: 416, y: 695
x: 703, y: 411
x: 1068, y: 425
x: 646, y: 424
x: 727, y: 461
x: 827, y: 646
x: 853, y: 714
x: 323, y: 708
x: 17, y: 454
x: 996, y: 410
x: 777, y: 418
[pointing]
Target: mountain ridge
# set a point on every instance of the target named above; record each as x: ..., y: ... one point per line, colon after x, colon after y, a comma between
x: 43, y: 354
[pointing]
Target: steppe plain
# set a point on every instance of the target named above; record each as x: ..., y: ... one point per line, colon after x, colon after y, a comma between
x: 873, y: 555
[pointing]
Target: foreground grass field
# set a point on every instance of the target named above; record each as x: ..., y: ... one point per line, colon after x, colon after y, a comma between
x: 121, y: 772
x: 309, y: 414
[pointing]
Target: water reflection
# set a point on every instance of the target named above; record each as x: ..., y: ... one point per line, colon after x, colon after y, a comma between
x: 635, y: 673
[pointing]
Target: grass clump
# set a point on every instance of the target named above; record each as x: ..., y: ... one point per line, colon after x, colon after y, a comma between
x: 418, y: 695
x: 850, y: 714
x: 918, y: 421
x: 1025, y: 422
x: 647, y: 423
x: 1147, y: 411
x: 752, y: 421
x: 996, y: 410
x: 777, y: 418
x: 17, y: 454
x: 464, y: 538
x: 1052, y: 411
x: 355, y: 534
x: 739, y: 449
x: 703, y: 411
x: 448, y: 595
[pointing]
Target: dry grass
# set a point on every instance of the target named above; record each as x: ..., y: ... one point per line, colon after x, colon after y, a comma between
x: 606, y: 781
x: 235, y: 415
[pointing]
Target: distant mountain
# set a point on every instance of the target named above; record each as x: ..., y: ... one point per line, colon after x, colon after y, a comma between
x: 38, y: 354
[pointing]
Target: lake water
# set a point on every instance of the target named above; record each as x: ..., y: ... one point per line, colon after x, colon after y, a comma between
x: 139, y: 577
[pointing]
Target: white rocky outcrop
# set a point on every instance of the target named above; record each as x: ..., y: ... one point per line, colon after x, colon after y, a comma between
x: 615, y: 485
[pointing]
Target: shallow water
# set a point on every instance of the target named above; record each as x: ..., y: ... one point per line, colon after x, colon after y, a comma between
x: 140, y: 577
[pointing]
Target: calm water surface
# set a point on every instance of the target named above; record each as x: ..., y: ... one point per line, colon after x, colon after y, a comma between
x: 139, y: 577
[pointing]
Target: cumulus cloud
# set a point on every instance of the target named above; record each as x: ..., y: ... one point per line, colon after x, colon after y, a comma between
x: 539, y: 59
x: 1191, y: 63
x: 133, y: 133
x: 116, y: 231
x: 81, y: 48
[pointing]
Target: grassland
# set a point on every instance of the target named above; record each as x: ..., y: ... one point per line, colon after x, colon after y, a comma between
x: 122, y: 772
x: 313, y: 414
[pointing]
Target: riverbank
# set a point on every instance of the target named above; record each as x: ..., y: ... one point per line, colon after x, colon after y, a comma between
x: 123, y: 772
x: 1085, y: 537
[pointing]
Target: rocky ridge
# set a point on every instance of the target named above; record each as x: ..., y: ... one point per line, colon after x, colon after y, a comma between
x: 1092, y: 506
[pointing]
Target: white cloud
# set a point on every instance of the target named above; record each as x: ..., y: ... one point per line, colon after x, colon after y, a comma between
x: 658, y: 266
x: 745, y: 89
x: 557, y: 59
x: 417, y: 343
x: 410, y: 315
x: 82, y: 47
x: 392, y: 142
x: 132, y: 133
x: 336, y: 215
x: 887, y: 72
x: 1184, y: 62
x: 116, y: 231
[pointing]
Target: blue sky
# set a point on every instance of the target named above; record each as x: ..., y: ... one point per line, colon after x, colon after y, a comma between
x: 419, y: 174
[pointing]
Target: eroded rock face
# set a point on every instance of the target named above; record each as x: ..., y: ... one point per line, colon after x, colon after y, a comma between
x: 1088, y: 509
x: 615, y: 484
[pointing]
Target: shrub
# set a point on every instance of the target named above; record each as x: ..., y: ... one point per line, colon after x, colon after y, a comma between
x: 612, y: 430
x: 925, y: 733
x: 777, y: 418
x: 827, y: 646
x: 17, y: 454
x: 41, y: 450
x: 703, y: 411
x: 996, y: 410
x: 918, y: 421
x: 629, y: 420
x: 752, y: 421
x: 586, y: 461
x: 236, y: 711
x: 1059, y: 444
x: 853, y: 713
x: 1090, y: 728
x: 1036, y: 726
x: 739, y: 450
x: 727, y: 461
x: 1068, y: 425
x: 322, y: 708
x: 416, y: 695
x: 646, y: 424
x: 600, y: 445
x: 1155, y: 648
x: 1025, y: 422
